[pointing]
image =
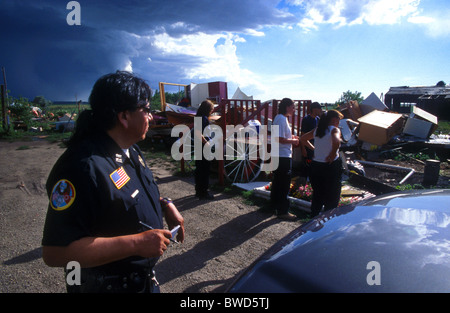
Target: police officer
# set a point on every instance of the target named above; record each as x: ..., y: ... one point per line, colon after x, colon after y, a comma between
x: 101, y: 193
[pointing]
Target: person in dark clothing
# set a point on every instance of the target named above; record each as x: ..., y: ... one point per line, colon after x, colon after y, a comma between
x: 202, y: 166
x: 326, y: 168
x: 105, y: 211
x: 309, y: 122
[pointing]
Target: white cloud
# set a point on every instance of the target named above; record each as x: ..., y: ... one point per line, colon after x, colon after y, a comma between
x: 436, y: 24
x: 421, y: 20
x: 388, y: 11
x: 349, y: 12
x: 193, y: 45
x: 255, y: 33
x: 286, y: 78
x: 214, y: 54
x: 372, y: 12
x: 128, y: 66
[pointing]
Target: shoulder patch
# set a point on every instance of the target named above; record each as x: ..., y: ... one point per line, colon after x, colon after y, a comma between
x: 63, y: 195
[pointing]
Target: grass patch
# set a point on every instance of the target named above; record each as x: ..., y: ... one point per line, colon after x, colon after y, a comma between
x: 443, y: 127
x: 157, y: 154
x: 23, y: 148
x: 248, y: 197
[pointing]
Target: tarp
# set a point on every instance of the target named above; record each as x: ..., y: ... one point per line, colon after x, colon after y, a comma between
x: 180, y: 109
x: 372, y: 103
x: 238, y: 94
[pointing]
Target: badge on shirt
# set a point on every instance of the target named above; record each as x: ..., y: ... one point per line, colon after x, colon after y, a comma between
x: 119, y: 177
x: 141, y: 161
x: 63, y: 195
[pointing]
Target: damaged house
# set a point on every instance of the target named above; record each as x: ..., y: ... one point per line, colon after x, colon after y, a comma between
x: 433, y: 99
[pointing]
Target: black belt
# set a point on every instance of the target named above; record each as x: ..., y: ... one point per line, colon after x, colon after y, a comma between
x: 95, y: 280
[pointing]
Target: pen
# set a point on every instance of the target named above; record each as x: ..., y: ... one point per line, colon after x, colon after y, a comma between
x: 150, y: 228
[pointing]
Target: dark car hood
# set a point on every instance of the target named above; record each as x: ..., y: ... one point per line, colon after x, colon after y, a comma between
x: 407, y: 234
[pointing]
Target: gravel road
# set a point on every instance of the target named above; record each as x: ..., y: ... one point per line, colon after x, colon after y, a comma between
x: 223, y: 236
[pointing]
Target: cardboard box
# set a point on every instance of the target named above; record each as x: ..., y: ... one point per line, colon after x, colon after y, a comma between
x: 379, y: 127
x: 420, y: 123
x: 351, y: 110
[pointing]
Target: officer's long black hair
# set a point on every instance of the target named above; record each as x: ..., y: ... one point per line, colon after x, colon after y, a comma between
x: 111, y: 94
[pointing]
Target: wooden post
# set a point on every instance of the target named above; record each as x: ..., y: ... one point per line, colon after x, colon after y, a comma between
x: 4, y: 121
x: 4, y: 95
x: 162, y: 96
x: 221, y: 164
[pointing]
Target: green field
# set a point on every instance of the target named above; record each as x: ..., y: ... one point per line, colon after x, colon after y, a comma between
x: 67, y: 108
x: 443, y: 127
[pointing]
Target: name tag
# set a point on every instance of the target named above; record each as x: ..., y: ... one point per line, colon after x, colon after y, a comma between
x: 134, y: 194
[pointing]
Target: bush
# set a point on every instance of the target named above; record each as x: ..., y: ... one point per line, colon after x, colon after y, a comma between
x: 21, y: 110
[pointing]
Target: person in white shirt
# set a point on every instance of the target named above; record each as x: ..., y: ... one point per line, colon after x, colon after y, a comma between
x: 282, y: 175
x: 326, y: 168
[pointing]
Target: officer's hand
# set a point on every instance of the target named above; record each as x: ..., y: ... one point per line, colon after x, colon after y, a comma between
x: 174, y: 218
x: 152, y: 243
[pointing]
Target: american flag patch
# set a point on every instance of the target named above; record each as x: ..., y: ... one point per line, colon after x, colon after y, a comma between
x: 119, y: 177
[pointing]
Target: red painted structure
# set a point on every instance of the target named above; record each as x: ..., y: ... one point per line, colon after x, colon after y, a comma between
x: 235, y: 112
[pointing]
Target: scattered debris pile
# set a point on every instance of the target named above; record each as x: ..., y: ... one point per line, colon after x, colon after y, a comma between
x: 65, y: 123
x: 393, y: 151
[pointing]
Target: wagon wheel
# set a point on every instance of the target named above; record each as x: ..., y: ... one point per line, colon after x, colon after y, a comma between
x: 241, y: 161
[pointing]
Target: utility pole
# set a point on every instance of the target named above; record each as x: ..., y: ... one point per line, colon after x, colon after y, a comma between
x: 4, y: 122
x: 4, y: 96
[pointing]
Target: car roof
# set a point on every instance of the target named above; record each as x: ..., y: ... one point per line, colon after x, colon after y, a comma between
x: 398, y: 242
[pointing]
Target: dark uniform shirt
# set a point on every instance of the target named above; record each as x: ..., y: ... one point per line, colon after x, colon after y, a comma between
x: 95, y: 190
x: 309, y: 123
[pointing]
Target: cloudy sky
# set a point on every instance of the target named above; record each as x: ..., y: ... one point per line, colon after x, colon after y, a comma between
x: 302, y: 49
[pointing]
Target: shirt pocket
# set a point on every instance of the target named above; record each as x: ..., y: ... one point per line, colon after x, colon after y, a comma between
x: 148, y: 178
x: 131, y: 201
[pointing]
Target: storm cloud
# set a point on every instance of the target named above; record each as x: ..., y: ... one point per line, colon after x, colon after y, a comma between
x: 43, y: 55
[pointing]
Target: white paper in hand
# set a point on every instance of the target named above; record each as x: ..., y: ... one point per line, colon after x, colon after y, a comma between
x: 174, y: 231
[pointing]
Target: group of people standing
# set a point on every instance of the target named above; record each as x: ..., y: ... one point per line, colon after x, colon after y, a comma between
x: 319, y: 143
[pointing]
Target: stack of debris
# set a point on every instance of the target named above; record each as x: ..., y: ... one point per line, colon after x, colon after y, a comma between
x: 372, y: 124
x: 66, y: 123
x: 369, y: 126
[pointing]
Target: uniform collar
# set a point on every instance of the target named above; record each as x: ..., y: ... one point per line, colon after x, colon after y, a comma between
x: 116, y: 154
x: 112, y: 149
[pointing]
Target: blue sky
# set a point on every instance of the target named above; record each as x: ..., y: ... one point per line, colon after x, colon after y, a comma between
x: 302, y: 49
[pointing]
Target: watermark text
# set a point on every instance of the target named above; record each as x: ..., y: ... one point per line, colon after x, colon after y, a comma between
x: 239, y: 143
x: 74, y: 16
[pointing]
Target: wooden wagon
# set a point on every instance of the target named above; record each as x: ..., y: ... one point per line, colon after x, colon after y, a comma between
x: 241, y: 166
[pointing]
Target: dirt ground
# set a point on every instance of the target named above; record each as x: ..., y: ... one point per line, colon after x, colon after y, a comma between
x: 223, y: 236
